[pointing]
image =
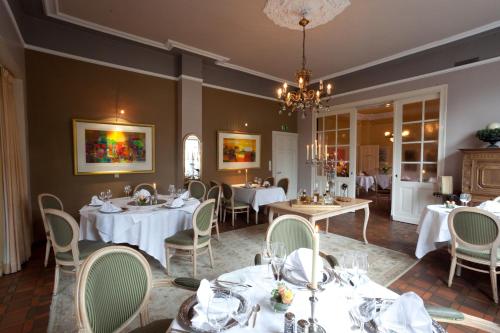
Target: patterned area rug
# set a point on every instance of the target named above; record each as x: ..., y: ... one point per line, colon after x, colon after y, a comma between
x: 236, y: 249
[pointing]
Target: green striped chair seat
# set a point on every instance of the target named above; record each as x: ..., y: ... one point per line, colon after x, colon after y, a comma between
x: 186, y: 237
x: 85, y: 247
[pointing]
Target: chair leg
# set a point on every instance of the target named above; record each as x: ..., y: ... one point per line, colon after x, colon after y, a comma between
x: 47, y: 253
x: 194, y: 263
x: 459, y: 268
x: 327, y: 225
x: 167, y: 258
x: 211, y: 255
x: 232, y: 221
x: 224, y: 217
x: 56, y: 279
x: 248, y: 215
x: 217, y: 229
x: 452, y: 270
x: 493, y: 278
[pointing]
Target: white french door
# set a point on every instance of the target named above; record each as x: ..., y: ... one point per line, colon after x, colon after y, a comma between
x: 337, y: 130
x: 285, y: 157
x: 418, y: 154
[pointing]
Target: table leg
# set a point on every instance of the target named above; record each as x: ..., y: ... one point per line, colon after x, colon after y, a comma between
x: 256, y: 217
x: 365, y: 224
x: 270, y: 215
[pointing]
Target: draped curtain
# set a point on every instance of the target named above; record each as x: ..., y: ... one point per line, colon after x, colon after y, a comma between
x: 15, y: 227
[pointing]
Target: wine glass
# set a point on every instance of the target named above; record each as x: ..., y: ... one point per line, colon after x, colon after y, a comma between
x: 219, y: 309
x: 127, y: 189
x: 465, y: 198
x: 171, y: 190
x: 278, y: 257
x: 364, y: 312
x: 102, y: 196
x: 265, y: 255
x: 109, y: 195
x: 360, y: 266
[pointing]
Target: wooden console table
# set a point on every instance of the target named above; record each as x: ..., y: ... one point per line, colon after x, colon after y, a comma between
x: 315, y: 214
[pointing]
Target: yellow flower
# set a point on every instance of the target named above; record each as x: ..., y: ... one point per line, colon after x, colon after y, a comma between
x: 287, y: 296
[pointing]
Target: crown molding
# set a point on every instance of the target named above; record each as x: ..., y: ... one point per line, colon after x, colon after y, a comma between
x: 256, y: 73
x: 172, y: 44
x: 188, y: 77
x: 214, y: 86
x: 421, y: 48
x: 14, y: 22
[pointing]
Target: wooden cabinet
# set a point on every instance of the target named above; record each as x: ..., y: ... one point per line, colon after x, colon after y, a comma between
x: 481, y: 173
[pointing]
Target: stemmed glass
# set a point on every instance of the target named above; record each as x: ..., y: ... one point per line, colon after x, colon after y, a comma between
x: 360, y: 266
x: 219, y: 309
x: 465, y: 198
x: 109, y: 195
x: 265, y: 255
x: 364, y: 312
x: 171, y: 190
x: 278, y: 257
x: 127, y: 189
x: 102, y: 196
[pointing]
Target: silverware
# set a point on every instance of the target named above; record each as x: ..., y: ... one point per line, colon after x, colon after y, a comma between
x: 257, y: 309
x: 235, y: 283
x: 354, y: 320
x: 251, y: 314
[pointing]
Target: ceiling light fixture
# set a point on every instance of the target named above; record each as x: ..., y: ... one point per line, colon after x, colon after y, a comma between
x: 304, y: 98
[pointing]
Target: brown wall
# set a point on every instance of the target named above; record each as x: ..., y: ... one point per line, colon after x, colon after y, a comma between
x: 60, y: 89
x: 229, y: 111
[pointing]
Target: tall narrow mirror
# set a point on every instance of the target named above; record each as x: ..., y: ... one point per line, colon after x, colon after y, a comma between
x: 192, y: 157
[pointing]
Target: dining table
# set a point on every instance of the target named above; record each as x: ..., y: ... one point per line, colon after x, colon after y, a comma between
x: 365, y: 182
x: 331, y: 310
x: 257, y: 195
x: 145, y: 227
x: 384, y: 181
x: 433, y: 231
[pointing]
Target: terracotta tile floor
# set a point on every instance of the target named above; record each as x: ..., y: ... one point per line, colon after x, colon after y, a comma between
x: 25, y: 296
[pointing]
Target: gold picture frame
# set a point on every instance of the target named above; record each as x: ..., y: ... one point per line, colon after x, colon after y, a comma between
x: 238, y: 150
x: 101, y: 147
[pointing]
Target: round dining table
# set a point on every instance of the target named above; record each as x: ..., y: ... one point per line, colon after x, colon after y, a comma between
x: 365, y: 182
x: 144, y: 227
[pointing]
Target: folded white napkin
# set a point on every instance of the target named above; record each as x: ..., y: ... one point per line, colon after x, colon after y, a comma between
x: 407, y: 315
x: 95, y: 201
x: 301, y: 260
x: 266, y: 183
x: 185, y: 195
x: 176, y: 203
x: 490, y: 206
x: 108, y: 207
x: 143, y: 192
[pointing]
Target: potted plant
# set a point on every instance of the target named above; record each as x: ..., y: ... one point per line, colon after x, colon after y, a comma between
x: 281, y: 298
x: 490, y: 135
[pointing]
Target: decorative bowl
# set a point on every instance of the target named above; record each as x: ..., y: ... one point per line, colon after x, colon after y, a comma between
x: 277, y: 306
x: 492, y: 136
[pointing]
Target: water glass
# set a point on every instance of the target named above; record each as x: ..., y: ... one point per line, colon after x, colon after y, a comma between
x: 465, y: 198
x: 102, y: 196
x: 127, y: 189
x: 278, y: 257
x: 265, y: 255
x: 109, y: 195
x: 364, y: 312
x: 171, y: 189
x: 219, y: 309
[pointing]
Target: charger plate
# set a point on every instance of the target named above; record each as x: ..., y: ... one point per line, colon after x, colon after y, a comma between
x: 293, y: 276
x: 186, y: 312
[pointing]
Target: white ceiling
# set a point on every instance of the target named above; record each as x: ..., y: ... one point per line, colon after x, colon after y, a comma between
x: 367, y: 31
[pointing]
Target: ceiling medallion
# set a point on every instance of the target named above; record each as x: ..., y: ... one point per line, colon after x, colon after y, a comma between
x: 286, y: 13
x: 304, y: 98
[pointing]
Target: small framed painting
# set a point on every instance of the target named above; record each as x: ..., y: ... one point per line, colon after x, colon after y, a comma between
x: 103, y: 148
x: 237, y: 150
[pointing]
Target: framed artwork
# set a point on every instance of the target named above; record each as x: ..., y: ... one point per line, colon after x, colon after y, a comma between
x: 237, y: 150
x: 104, y: 148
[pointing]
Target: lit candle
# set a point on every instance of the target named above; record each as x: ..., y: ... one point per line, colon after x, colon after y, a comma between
x: 280, y: 91
x: 326, y: 152
x: 329, y: 88
x: 319, y: 151
x: 314, y: 280
x: 285, y: 86
x: 307, y: 147
x: 246, y: 176
x: 320, y: 84
x: 301, y: 81
x: 154, y: 186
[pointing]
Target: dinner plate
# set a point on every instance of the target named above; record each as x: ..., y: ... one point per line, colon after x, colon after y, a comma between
x: 95, y: 205
x: 186, y: 312
x: 232, y: 281
x: 117, y: 211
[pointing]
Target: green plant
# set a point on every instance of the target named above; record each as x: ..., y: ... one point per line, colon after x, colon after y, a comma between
x: 489, y: 135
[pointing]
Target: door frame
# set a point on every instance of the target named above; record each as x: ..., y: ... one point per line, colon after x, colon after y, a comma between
x: 273, y: 169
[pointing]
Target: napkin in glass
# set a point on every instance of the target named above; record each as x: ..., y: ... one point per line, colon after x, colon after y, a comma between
x: 185, y: 195
x: 300, y: 261
x: 176, y: 203
x: 108, y: 207
x: 490, y: 206
x: 95, y: 201
x: 406, y: 315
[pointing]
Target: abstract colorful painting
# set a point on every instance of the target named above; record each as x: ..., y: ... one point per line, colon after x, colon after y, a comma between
x: 238, y: 150
x: 101, y: 147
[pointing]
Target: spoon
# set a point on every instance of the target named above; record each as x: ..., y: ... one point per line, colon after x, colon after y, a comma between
x: 256, y: 309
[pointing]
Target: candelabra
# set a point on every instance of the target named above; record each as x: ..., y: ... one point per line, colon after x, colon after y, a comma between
x: 314, y: 327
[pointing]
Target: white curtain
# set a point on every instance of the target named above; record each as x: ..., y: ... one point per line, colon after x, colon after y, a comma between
x: 15, y: 227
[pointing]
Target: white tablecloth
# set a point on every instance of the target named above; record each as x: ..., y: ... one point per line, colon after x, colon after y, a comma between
x: 145, y: 228
x: 258, y: 196
x: 432, y: 229
x: 384, y: 181
x: 365, y: 182
x: 331, y: 309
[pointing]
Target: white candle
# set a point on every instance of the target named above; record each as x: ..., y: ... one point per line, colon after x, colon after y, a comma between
x: 326, y: 152
x: 319, y: 151
x: 314, y: 280
x: 447, y: 185
x: 154, y: 186
x: 307, y: 147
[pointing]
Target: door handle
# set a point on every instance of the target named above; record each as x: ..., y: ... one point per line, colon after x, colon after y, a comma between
x: 278, y: 173
x: 396, y: 176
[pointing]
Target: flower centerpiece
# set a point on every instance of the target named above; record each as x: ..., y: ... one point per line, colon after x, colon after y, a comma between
x: 281, y: 297
x: 142, y: 197
x: 385, y: 169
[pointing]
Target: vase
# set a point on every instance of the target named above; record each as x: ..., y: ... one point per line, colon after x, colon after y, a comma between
x: 279, y: 307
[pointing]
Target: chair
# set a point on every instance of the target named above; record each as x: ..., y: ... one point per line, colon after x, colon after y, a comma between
x: 381, y: 193
x: 234, y: 207
x: 214, y: 193
x: 145, y: 186
x: 47, y: 200
x: 197, y: 190
x: 497, y: 199
x: 215, y: 183
x: 294, y: 232
x: 113, y: 287
x: 283, y: 183
x: 270, y: 180
x: 64, y: 234
x: 475, y: 237
x: 193, y: 239
x: 452, y: 316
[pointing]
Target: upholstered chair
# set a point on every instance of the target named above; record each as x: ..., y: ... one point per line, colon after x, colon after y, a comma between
x: 113, y: 287
x: 197, y: 190
x: 214, y: 193
x: 65, y: 235
x: 232, y: 206
x: 283, y: 183
x: 475, y: 237
x: 455, y: 317
x: 145, y: 186
x: 270, y: 180
x: 191, y: 240
x: 47, y: 200
x: 294, y: 232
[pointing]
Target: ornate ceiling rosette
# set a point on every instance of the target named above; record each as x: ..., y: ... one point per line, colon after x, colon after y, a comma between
x: 286, y: 13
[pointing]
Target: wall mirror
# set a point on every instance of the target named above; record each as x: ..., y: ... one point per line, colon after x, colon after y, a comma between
x: 192, y: 157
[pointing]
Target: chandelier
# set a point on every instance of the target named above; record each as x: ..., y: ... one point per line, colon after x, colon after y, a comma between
x: 304, y: 98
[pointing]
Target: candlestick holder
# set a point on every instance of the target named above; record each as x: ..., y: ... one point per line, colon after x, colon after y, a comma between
x: 314, y: 327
